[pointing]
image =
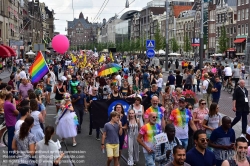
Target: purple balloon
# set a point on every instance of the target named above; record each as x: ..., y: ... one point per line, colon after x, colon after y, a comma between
x: 60, y: 43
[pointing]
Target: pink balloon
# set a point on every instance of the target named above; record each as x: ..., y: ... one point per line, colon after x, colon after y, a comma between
x: 60, y: 43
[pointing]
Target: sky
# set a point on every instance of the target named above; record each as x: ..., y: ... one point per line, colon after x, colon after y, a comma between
x: 89, y: 8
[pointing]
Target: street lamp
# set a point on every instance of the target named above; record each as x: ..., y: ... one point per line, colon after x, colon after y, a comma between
x: 201, y: 36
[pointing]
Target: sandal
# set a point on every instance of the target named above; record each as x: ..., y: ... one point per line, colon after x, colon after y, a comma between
x: 74, y: 144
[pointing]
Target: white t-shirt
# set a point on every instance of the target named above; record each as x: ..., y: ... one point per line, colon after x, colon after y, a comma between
x: 205, y: 83
x: 213, y: 122
x: 228, y: 71
x: 23, y: 74
x: 159, y: 82
x: 18, y: 124
x: 119, y: 79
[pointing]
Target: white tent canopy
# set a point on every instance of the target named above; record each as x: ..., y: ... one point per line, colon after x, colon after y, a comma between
x: 30, y: 53
x: 174, y: 54
x: 162, y: 52
x: 216, y: 55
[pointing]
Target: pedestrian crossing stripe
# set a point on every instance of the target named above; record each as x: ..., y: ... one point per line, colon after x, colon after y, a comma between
x: 150, y: 44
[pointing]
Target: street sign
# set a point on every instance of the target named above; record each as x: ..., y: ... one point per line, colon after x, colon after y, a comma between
x: 150, y: 44
x: 150, y: 53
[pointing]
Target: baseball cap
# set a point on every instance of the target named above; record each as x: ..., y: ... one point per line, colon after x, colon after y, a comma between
x: 182, y: 99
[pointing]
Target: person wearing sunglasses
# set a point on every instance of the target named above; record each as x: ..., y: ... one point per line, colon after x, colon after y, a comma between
x: 199, y: 155
x: 199, y: 114
x: 146, y: 138
x: 181, y: 118
x: 222, y: 141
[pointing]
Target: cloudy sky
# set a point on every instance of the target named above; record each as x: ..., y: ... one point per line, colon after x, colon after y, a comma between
x: 90, y: 8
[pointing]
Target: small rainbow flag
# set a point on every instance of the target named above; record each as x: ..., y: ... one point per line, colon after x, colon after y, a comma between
x: 39, y: 68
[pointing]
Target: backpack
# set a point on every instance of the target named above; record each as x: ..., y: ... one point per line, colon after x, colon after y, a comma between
x: 163, y: 145
x: 233, y: 163
x: 209, y: 87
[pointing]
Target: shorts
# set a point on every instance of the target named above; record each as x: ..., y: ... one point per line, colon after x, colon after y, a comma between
x: 112, y: 150
x: 226, y: 77
x: 49, y: 89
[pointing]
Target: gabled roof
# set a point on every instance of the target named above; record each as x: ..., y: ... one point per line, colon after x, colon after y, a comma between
x: 72, y: 24
x: 178, y: 9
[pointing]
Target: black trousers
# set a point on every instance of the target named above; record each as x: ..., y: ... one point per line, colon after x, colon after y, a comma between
x: 79, y: 109
x: 91, y: 126
x: 243, y: 116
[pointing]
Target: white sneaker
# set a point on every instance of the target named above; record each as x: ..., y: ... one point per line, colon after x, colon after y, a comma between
x: 2, y: 145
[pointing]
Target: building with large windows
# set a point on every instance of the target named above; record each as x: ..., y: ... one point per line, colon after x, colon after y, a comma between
x: 80, y: 31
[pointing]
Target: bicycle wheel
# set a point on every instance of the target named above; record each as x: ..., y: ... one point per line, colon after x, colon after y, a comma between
x: 5, y: 138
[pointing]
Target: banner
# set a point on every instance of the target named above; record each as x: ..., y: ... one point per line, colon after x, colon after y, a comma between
x: 101, y: 109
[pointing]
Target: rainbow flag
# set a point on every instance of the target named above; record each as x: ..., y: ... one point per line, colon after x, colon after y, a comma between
x: 39, y: 68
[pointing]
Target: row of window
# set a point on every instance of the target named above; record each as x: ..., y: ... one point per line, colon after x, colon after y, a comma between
x: 242, y: 14
x: 242, y: 2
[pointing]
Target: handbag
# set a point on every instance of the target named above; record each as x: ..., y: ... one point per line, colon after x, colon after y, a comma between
x: 125, y: 145
x: 195, y: 81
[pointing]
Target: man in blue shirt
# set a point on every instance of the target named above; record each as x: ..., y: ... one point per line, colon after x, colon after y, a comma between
x: 79, y: 102
x: 199, y: 155
x: 171, y: 81
x: 216, y: 90
x: 145, y: 80
x: 222, y: 140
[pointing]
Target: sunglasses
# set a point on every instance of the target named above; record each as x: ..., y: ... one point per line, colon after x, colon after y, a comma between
x: 203, y: 103
x: 204, y: 140
x: 154, y: 117
x: 190, y: 108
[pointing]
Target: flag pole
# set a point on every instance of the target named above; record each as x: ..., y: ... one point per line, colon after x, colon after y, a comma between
x: 48, y: 68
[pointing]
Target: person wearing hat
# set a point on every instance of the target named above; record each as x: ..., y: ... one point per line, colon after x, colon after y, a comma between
x: 67, y: 120
x: 181, y: 117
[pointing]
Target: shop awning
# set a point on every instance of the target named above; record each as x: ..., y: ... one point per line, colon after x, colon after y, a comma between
x: 4, y: 52
x: 12, y: 52
x: 231, y: 49
x: 239, y: 40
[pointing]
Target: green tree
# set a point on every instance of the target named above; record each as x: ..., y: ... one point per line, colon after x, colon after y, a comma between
x: 174, y: 45
x: 223, y: 40
x: 164, y: 42
x: 187, y: 44
x: 158, y: 38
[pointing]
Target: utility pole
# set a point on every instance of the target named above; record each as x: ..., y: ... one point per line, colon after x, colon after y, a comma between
x: 201, y: 36
x: 167, y: 17
x: 147, y: 22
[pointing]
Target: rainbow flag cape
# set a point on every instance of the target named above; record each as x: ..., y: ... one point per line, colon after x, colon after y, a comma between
x: 39, y: 68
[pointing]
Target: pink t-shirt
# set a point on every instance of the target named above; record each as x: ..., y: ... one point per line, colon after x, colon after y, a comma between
x: 200, y: 114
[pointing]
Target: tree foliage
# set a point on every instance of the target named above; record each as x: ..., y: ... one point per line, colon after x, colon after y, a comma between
x: 223, y: 40
x: 174, y: 45
x: 158, y: 38
x: 187, y: 44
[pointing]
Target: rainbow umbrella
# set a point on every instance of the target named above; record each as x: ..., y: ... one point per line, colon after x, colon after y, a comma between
x: 109, y: 69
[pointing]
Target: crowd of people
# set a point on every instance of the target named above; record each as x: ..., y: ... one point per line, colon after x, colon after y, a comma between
x: 198, y: 134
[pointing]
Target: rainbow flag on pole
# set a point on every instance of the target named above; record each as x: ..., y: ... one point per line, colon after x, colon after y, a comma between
x: 39, y: 68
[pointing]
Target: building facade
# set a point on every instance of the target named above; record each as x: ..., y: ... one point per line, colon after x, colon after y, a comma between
x: 80, y: 31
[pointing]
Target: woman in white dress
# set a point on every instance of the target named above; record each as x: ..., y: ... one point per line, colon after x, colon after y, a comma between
x: 138, y: 108
x: 67, y: 120
x: 36, y: 130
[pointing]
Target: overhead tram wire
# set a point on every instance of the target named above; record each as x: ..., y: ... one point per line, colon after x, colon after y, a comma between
x: 100, y: 10
x: 125, y: 8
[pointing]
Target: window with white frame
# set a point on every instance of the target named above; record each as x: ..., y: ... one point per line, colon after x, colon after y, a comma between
x: 238, y: 30
x: 242, y: 29
x: 238, y: 16
x: 247, y: 1
x: 246, y: 14
x: 246, y: 29
x: 238, y: 2
x: 242, y: 2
